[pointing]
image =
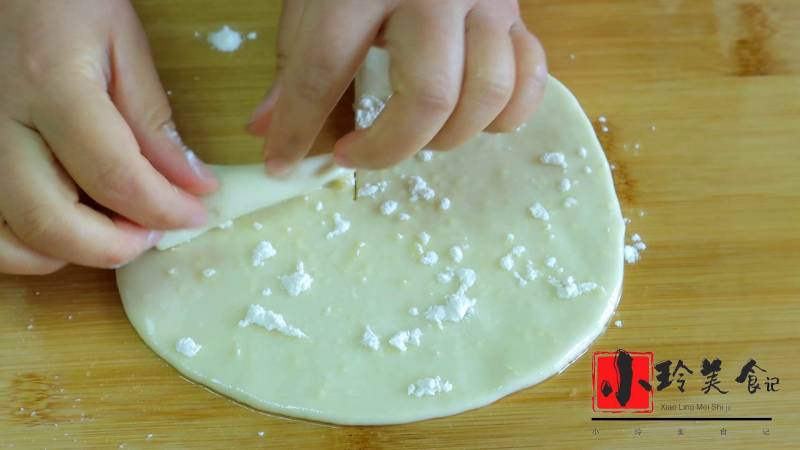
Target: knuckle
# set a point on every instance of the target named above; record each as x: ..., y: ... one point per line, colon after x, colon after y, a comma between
x: 493, y: 90
x: 436, y: 96
x: 315, y: 83
x: 37, y: 226
x: 115, y: 182
x: 158, y: 115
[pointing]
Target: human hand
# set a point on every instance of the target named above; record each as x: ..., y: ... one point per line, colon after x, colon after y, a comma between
x: 90, y: 164
x: 457, y: 67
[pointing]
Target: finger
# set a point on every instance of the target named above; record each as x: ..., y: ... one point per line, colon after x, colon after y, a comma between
x: 291, y: 17
x: 426, y: 46
x: 488, y: 76
x: 17, y: 258
x: 138, y: 94
x: 531, y: 68
x: 97, y: 148
x: 44, y: 213
x: 324, y: 60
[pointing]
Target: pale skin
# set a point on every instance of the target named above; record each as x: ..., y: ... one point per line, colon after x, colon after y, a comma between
x: 91, y: 171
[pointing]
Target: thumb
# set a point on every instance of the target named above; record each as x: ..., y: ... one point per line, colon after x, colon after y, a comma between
x: 140, y: 98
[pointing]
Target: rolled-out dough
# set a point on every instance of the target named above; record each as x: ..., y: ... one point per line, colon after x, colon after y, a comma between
x: 317, y: 329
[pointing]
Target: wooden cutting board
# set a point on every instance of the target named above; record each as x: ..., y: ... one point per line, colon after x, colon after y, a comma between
x: 703, y: 108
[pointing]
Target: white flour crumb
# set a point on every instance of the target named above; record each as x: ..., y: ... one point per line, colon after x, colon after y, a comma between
x: 149, y: 436
x: 360, y: 245
x: 632, y: 252
x: 172, y: 271
x: 367, y: 110
x: 626, y: 220
x: 518, y: 250
x: 530, y: 273
x: 587, y: 170
x: 389, y: 207
x: 618, y: 323
x: 539, y: 212
x: 266, y: 292
x: 520, y: 279
x: 582, y: 152
x: 225, y: 39
x: 370, y: 339
x: 269, y: 320
x: 456, y: 254
x: 551, y: 262
x: 510, y: 237
x: 298, y: 282
x: 225, y: 225
x: 637, y: 146
x: 372, y: 189
x: 341, y: 226
x: 425, y: 155
x: 169, y: 93
x: 602, y: 119
x: 257, y: 225
x: 418, y: 188
x: 642, y: 213
x: 564, y: 185
x: 428, y: 387
x: 30, y: 326
x: 612, y: 166
x: 197, y: 34
x: 444, y: 204
x: 261, y: 433
x: 604, y: 129
x: 208, y: 273
x: 188, y: 347
x: 252, y: 35
x: 399, y: 236
x: 569, y: 202
x: 652, y: 128
x: 414, y: 311
x: 457, y: 306
x: 572, y: 56
x: 554, y: 159
x: 420, y: 248
x: 568, y: 288
x: 430, y: 258
x: 319, y: 207
x: 424, y: 238
x: 446, y: 276
x: 401, y: 339
x: 263, y: 251
x: 405, y: 217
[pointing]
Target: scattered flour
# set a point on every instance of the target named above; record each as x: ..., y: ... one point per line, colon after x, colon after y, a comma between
x: 564, y: 185
x: 568, y: 288
x: 554, y: 159
x: 401, y: 339
x: 372, y: 189
x: 569, y: 202
x: 414, y: 311
x: 424, y: 238
x: 225, y: 39
x: 188, y: 347
x: 405, y: 217
x: 208, y: 273
x: 428, y: 387
x: 263, y: 251
x: 225, y: 225
x: 252, y: 35
x: 370, y: 339
x: 582, y: 152
x: 425, y: 155
x: 298, y: 282
x: 257, y: 225
x: 632, y: 252
x: 271, y: 321
x: 444, y: 204
x: 429, y: 258
x: 418, y: 188
x: 457, y: 306
x: 456, y: 254
x: 341, y: 226
x: 367, y: 110
x: 618, y: 323
x: 389, y: 207
x: 539, y: 212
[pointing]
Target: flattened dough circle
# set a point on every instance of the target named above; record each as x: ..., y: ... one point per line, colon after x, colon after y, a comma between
x: 516, y: 336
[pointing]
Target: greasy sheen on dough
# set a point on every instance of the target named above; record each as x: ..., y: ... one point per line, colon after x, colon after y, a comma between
x: 380, y: 270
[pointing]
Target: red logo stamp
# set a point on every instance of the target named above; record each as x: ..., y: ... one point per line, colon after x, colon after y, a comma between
x: 622, y: 381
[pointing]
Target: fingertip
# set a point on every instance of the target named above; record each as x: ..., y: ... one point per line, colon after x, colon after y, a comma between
x: 342, y: 149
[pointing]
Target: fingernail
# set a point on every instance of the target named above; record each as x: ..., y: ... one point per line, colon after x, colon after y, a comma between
x: 343, y: 161
x: 153, y: 237
x: 198, y: 220
x: 277, y: 167
x: 198, y: 167
x: 268, y: 101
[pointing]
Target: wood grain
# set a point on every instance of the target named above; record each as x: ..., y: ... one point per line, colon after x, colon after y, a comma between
x: 717, y: 182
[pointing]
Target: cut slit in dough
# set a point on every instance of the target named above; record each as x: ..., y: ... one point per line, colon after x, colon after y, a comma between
x: 511, y: 313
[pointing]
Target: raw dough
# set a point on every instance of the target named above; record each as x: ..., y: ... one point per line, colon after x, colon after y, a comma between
x: 378, y: 275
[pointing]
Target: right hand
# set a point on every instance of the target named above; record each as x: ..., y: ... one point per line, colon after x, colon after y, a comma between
x: 82, y: 110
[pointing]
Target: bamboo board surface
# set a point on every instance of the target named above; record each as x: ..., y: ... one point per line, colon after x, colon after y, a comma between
x: 717, y: 180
